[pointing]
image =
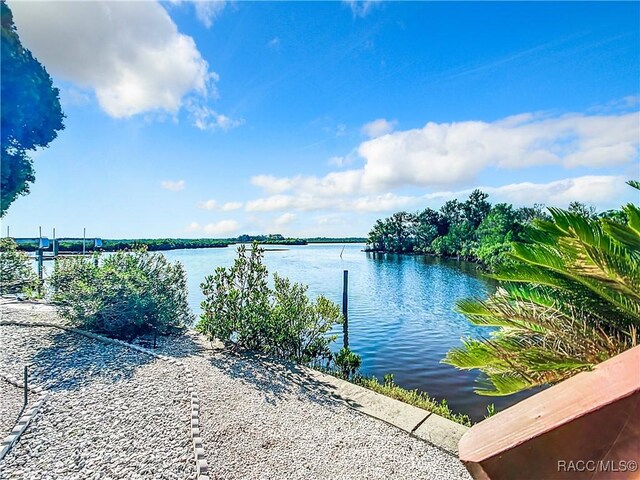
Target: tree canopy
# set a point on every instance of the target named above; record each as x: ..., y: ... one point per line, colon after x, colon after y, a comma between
x: 31, y: 112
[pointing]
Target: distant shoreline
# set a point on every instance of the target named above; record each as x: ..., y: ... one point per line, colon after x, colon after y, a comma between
x: 75, y: 245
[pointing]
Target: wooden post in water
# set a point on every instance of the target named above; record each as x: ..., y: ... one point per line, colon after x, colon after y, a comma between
x: 345, y: 302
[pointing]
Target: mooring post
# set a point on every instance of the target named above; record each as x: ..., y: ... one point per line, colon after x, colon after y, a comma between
x: 26, y: 388
x: 345, y: 301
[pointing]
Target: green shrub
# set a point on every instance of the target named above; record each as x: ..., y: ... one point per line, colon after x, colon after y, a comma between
x: 348, y: 362
x: 241, y: 310
x: 16, y: 274
x: 124, y: 295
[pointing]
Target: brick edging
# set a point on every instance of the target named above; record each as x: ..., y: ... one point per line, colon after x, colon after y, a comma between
x: 198, y: 448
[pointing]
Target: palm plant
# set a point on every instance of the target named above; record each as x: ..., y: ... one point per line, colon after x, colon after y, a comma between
x: 571, y: 301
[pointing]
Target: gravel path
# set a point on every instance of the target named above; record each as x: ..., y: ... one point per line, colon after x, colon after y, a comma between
x: 113, y: 413
x: 10, y: 407
x: 257, y: 424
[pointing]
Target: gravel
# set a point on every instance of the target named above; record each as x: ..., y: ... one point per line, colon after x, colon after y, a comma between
x: 10, y: 407
x: 114, y: 413
x: 258, y: 424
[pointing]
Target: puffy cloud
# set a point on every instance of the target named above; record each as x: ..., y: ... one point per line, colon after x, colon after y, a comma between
x: 174, y: 186
x: 285, y: 219
x: 223, y: 227
x: 448, y: 154
x: 133, y: 66
x: 230, y: 206
x: 454, y: 153
x: 224, y: 207
x: 600, y: 190
x: 378, y: 127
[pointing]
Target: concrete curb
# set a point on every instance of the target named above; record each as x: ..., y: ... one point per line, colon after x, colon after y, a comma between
x: 430, y: 427
x: 27, y: 415
x: 198, y: 448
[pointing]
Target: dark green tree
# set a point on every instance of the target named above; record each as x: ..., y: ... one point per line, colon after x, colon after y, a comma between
x: 31, y: 112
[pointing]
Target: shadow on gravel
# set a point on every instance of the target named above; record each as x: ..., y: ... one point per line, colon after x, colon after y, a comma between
x: 73, y: 361
x: 277, y: 380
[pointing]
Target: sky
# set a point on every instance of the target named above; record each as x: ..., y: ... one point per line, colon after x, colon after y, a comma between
x: 214, y: 119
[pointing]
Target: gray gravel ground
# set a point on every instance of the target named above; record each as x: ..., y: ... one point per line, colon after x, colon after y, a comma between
x: 255, y: 422
x: 10, y: 407
x: 113, y: 413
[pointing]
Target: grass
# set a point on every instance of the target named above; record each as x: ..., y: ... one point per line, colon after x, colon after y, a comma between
x: 413, y: 397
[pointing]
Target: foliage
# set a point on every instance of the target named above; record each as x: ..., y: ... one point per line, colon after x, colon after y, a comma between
x: 155, y: 244
x: 241, y: 310
x: 413, y: 397
x: 124, y: 295
x: 470, y: 230
x: 336, y: 240
x: 347, y: 361
x: 273, y: 239
x: 31, y: 112
x: 16, y: 274
x: 571, y: 301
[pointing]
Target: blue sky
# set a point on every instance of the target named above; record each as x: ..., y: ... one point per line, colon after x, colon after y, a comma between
x: 213, y: 119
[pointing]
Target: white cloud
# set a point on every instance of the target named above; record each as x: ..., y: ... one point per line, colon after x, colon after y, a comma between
x: 174, y: 186
x: 378, y: 127
x: 449, y: 154
x: 208, y: 10
x: 600, y: 190
x: 223, y: 227
x: 285, y: 219
x: 361, y: 8
x: 225, y: 207
x: 206, y: 118
x: 230, y: 206
x: 133, y: 66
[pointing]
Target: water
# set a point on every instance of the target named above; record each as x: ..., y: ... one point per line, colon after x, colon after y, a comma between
x: 401, y: 317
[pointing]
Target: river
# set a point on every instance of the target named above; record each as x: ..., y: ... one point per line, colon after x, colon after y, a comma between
x: 401, y: 317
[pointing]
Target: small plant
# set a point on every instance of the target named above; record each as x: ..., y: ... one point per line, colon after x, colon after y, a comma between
x: 16, y: 274
x: 348, y: 362
x: 125, y: 295
x: 416, y: 398
x: 491, y: 410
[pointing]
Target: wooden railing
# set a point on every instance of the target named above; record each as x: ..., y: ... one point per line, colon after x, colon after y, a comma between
x: 585, y: 427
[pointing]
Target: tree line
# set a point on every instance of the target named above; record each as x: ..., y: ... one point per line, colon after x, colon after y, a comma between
x: 473, y: 229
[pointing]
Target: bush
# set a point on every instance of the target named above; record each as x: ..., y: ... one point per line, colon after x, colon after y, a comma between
x: 241, y: 310
x: 348, y: 362
x: 16, y: 274
x: 125, y: 295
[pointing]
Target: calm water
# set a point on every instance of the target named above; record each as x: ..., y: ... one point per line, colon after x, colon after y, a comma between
x: 401, y: 317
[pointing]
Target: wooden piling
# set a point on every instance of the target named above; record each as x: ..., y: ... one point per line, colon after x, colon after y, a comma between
x: 345, y: 304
